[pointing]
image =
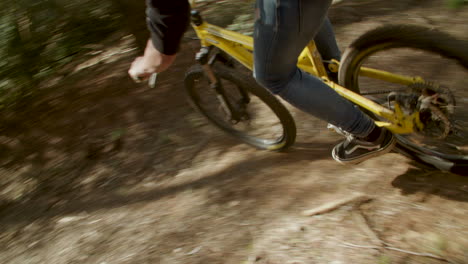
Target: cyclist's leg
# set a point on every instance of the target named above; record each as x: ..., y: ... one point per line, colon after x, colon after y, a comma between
x: 283, y: 29
x: 326, y: 42
x: 328, y: 48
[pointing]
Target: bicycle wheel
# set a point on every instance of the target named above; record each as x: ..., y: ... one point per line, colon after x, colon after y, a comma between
x: 442, y: 99
x: 246, y: 111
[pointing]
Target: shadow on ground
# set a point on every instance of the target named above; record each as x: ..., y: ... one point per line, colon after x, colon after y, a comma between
x: 433, y: 182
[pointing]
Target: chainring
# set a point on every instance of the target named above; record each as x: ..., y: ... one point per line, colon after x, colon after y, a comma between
x: 435, y: 105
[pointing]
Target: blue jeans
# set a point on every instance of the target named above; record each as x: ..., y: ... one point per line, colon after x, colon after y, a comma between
x: 282, y: 30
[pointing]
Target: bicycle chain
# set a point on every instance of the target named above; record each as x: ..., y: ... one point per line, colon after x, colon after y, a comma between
x: 383, y: 92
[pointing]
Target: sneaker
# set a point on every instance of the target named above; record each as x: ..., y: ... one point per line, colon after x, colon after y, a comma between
x: 354, y: 150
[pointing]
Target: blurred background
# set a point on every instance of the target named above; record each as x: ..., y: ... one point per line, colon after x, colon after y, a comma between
x: 97, y: 169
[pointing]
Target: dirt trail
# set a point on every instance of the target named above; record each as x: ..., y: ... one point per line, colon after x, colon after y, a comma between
x: 107, y: 172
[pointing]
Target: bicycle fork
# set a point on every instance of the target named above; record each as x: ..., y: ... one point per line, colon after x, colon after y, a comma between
x: 202, y: 57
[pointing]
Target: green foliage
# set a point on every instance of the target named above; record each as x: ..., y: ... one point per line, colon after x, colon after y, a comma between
x: 457, y: 3
x: 117, y: 134
x: 38, y: 37
x: 384, y: 259
x: 228, y: 13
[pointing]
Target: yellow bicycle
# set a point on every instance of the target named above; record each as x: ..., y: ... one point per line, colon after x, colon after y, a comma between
x: 381, y: 72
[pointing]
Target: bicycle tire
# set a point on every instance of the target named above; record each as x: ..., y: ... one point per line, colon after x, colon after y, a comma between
x: 412, y: 37
x: 248, y: 84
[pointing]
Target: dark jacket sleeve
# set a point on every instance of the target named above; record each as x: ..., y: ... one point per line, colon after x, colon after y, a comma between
x: 167, y: 21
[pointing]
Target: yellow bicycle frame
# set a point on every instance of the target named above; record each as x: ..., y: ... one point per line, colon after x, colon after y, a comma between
x: 240, y: 47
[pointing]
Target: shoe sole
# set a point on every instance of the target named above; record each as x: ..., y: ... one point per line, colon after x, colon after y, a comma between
x: 360, y: 159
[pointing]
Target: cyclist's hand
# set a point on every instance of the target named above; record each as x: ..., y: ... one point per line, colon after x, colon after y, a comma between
x: 151, y: 62
x: 141, y: 69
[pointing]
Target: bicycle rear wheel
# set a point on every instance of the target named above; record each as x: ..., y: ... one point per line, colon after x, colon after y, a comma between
x: 442, y: 99
x: 246, y: 110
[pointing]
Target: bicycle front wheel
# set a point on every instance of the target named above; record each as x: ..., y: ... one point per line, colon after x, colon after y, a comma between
x: 439, y: 63
x: 242, y: 108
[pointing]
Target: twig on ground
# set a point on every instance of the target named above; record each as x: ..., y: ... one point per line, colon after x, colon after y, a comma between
x: 357, y: 198
x: 429, y: 255
x: 364, y: 225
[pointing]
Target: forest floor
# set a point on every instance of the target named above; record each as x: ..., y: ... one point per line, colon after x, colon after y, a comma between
x: 106, y: 171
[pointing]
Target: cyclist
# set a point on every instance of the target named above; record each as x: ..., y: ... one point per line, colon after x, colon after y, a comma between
x: 282, y: 29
